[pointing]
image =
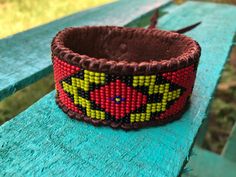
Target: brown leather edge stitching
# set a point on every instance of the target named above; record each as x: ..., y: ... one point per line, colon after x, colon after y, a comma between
x: 191, y: 56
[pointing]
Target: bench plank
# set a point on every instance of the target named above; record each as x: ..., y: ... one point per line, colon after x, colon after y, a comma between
x: 204, y: 163
x: 229, y: 149
x: 25, y: 57
x: 44, y: 141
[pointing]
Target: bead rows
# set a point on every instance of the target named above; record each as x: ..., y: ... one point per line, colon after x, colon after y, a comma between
x: 122, y: 99
x: 62, y: 70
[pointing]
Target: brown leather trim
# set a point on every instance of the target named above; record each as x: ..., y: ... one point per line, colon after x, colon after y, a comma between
x: 190, y: 55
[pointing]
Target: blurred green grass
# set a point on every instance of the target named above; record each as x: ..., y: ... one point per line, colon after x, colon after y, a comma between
x: 19, y: 15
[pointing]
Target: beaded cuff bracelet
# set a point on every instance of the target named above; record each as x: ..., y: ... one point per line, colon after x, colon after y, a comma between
x: 123, y: 77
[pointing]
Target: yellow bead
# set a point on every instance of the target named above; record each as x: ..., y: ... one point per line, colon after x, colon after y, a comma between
x: 141, y: 77
x: 148, y: 111
x: 150, y: 92
x: 153, y: 77
x: 135, y: 84
x: 148, y: 117
x: 135, y: 78
x: 156, y: 88
x: 102, y: 115
x: 147, y: 83
x: 143, y: 116
x: 148, y: 108
x: 152, y: 83
x: 102, y: 80
x: 92, y: 114
x: 132, y: 117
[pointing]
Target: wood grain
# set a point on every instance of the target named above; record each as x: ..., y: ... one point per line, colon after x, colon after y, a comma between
x: 43, y: 141
x: 208, y: 164
x: 25, y: 57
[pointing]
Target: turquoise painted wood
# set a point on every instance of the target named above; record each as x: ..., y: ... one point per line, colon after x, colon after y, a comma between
x: 229, y: 150
x: 25, y: 57
x: 42, y: 141
x: 207, y: 164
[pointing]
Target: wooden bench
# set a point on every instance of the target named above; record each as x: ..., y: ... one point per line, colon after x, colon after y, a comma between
x: 43, y: 141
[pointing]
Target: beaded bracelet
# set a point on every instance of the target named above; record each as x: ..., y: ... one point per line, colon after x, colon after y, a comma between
x: 123, y: 77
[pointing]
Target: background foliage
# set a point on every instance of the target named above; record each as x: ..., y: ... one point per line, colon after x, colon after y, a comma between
x: 19, y: 15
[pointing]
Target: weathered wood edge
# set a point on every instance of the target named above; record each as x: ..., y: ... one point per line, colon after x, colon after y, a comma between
x: 205, y: 163
x: 229, y: 151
